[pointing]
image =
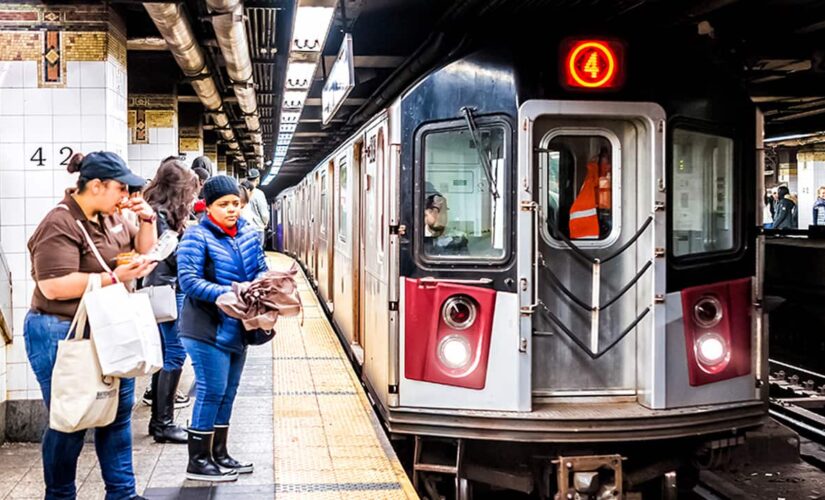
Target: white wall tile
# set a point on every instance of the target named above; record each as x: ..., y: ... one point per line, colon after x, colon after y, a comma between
x: 19, y: 317
x: 93, y: 145
x: 92, y: 101
x: 31, y: 382
x: 19, y: 292
x: 13, y: 238
x: 31, y: 228
x: 38, y: 129
x: 39, y: 184
x: 66, y: 129
x: 16, y: 394
x: 62, y: 151
x: 11, y: 184
x: 11, y: 74
x: 134, y: 152
x: 37, y: 101
x: 16, y: 353
x: 11, y: 101
x: 20, y: 276
x: 29, y: 74
x: 93, y: 129
x: 73, y: 74
x: 36, y: 209
x: 17, y: 263
x: 66, y: 102
x: 16, y: 377
x: 92, y: 74
x: 11, y: 210
x: 166, y: 135
x: 62, y: 181
x: 11, y: 129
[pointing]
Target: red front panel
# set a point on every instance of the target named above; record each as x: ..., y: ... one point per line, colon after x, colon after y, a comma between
x: 426, y: 332
x: 734, y: 328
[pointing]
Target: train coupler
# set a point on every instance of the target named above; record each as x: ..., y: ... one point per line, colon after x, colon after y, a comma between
x: 596, y: 477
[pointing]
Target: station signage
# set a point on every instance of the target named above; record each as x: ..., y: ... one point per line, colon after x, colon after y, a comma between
x: 340, y: 81
x: 592, y: 64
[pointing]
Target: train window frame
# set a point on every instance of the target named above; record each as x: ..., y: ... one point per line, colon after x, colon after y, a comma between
x: 425, y: 260
x: 739, y: 246
x: 616, y: 186
x: 343, y: 222
x: 380, y: 161
x: 323, y: 209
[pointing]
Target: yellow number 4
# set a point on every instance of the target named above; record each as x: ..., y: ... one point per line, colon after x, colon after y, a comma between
x: 592, y: 65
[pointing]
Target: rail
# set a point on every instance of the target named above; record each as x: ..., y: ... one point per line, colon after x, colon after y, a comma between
x: 5, y: 299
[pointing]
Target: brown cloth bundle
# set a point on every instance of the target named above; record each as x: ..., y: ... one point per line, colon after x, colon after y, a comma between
x: 259, y: 303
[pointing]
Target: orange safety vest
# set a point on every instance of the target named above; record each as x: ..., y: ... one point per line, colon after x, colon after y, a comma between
x: 584, y: 220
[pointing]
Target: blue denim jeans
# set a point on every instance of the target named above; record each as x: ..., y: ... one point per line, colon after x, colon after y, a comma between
x: 217, y: 375
x: 113, y: 443
x: 174, y: 354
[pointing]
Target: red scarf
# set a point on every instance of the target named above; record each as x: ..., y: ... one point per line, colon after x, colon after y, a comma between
x: 231, y: 231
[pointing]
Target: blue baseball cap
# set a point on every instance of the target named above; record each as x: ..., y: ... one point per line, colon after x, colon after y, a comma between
x: 105, y: 165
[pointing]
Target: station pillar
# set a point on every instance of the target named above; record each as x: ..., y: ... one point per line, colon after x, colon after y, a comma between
x: 63, y: 90
x: 810, y: 161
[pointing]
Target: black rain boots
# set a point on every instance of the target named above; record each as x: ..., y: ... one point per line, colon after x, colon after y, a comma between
x: 221, y: 455
x: 201, y: 466
x: 162, y: 424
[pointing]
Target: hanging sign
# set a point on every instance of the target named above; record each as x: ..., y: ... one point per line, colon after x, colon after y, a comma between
x: 340, y: 81
x: 592, y: 64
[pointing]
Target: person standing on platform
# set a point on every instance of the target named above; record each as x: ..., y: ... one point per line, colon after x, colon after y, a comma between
x: 62, y: 263
x: 785, y: 209
x: 171, y: 194
x: 260, y: 208
x: 819, y: 207
x: 222, y: 249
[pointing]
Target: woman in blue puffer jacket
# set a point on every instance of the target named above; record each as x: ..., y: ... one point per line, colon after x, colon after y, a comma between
x: 222, y: 249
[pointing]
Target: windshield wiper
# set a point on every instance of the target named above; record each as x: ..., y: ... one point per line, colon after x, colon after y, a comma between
x: 482, y: 152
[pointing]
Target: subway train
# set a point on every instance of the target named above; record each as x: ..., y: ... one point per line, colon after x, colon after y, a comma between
x: 546, y: 267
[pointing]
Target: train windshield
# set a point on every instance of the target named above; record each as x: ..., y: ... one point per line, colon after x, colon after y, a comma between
x: 702, y: 193
x: 462, y: 216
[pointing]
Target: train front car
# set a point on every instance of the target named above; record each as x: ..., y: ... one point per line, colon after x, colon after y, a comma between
x: 578, y: 281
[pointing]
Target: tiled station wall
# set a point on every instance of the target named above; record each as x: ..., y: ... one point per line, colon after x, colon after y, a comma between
x: 153, y: 131
x: 62, y: 90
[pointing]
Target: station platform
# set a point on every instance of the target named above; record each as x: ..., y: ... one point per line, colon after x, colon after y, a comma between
x: 301, y: 416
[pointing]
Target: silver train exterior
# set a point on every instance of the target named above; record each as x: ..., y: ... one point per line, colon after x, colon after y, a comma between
x: 510, y: 328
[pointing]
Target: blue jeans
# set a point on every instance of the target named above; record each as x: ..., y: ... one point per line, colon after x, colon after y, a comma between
x: 113, y: 443
x: 217, y: 376
x: 174, y: 354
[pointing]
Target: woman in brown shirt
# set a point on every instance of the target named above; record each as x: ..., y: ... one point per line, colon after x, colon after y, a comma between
x: 62, y: 262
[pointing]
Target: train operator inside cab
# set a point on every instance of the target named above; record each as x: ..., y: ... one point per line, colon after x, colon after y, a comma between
x: 436, y: 241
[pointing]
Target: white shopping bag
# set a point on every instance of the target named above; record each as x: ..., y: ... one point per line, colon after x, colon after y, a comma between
x: 127, y: 338
x: 81, y: 397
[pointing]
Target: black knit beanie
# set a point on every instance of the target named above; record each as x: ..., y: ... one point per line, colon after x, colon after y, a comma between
x: 218, y: 187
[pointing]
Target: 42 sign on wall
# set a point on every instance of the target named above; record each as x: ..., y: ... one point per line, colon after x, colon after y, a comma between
x: 65, y: 153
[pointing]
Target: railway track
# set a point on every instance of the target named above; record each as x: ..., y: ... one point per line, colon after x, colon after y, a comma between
x: 797, y: 399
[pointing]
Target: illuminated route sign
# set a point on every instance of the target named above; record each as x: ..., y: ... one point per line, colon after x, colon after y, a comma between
x: 592, y: 64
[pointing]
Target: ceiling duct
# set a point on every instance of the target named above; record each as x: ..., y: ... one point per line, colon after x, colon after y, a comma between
x: 175, y: 29
x: 231, y: 34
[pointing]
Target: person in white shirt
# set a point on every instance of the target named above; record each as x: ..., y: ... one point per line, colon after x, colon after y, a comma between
x: 259, y: 208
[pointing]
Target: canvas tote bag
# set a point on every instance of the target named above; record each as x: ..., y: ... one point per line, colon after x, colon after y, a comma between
x: 81, y: 396
x: 126, y: 335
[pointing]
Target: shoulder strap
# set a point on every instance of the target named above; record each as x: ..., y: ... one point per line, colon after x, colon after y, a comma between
x: 93, y: 247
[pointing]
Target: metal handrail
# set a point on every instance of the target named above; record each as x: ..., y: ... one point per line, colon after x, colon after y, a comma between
x: 557, y: 282
x: 578, y: 252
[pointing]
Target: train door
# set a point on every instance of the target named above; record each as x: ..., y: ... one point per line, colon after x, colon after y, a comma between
x: 359, y: 195
x: 591, y: 167
x: 323, y: 255
x: 316, y: 219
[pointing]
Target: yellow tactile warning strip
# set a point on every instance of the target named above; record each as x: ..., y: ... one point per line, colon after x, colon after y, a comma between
x: 328, y: 442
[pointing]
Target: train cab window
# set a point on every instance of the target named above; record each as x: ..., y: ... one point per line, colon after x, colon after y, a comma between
x: 702, y: 206
x: 342, y: 201
x: 580, y: 175
x: 463, y: 209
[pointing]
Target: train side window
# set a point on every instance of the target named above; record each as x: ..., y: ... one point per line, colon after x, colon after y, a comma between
x: 462, y: 217
x: 702, y: 187
x: 580, y: 175
x: 323, y: 182
x: 342, y: 200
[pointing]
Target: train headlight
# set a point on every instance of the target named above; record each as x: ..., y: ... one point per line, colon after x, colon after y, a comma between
x: 454, y: 351
x: 711, y: 349
x: 459, y: 312
x: 707, y: 312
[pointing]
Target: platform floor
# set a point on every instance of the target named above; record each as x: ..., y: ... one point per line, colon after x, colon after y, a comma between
x: 301, y: 415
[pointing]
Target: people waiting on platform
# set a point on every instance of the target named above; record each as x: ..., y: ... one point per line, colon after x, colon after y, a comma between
x: 260, y: 208
x: 785, y: 212
x: 222, y: 249
x: 62, y: 264
x: 171, y: 194
x: 819, y: 207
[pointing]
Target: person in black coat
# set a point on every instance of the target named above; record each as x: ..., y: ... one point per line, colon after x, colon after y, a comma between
x: 785, y: 210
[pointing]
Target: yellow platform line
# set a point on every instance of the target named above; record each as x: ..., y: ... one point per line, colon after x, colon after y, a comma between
x: 325, y: 429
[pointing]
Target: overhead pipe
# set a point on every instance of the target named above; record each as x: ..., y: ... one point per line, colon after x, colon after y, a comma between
x: 175, y: 29
x: 231, y: 34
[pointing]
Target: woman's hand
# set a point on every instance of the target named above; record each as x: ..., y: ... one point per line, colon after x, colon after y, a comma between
x: 140, y: 207
x: 138, y: 268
